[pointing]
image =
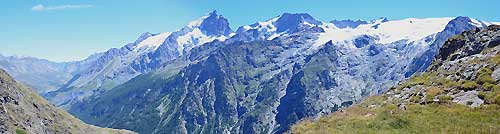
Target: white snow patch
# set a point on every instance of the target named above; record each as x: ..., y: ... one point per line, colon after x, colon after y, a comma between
x: 308, y: 24
x: 274, y: 35
x: 266, y: 26
x: 247, y: 27
x: 476, y: 23
x: 193, y: 39
x: 221, y: 38
x: 496, y: 23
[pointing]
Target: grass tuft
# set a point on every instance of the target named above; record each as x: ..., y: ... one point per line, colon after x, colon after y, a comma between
x: 20, y: 131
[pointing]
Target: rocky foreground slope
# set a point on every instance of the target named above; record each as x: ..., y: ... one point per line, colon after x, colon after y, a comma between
x: 459, y: 93
x: 22, y: 111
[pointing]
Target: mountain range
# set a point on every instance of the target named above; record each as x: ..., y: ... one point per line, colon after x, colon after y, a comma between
x: 261, y: 78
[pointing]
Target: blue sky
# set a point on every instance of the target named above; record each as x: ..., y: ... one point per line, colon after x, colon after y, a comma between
x: 65, y: 30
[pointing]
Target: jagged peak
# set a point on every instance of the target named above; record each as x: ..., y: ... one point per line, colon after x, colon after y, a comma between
x: 215, y: 25
x: 283, y: 22
x: 212, y: 24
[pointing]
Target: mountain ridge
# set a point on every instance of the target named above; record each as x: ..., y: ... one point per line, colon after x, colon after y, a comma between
x: 241, y: 85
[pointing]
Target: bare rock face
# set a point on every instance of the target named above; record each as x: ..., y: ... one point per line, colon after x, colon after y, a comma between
x: 23, y: 111
x: 468, y: 98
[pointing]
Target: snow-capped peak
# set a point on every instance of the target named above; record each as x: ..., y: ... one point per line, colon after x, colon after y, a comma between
x: 206, y: 29
x: 152, y: 42
x: 283, y: 24
x: 265, y: 29
x: 269, y: 25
